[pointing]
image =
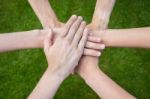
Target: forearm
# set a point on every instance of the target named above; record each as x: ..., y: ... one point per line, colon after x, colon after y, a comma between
x: 105, y: 87
x: 44, y: 12
x: 47, y: 86
x: 102, y: 13
x: 21, y: 40
x: 105, y: 4
x: 135, y: 37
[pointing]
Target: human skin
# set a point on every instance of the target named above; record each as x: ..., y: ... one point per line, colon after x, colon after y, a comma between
x: 104, y: 86
x: 102, y: 14
x: 21, y: 40
x: 88, y: 67
x: 92, y: 74
x: 35, y: 39
x: 63, y: 56
x: 132, y: 38
x: 45, y: 13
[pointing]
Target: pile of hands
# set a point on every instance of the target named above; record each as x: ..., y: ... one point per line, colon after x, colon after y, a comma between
x: 71, y: 47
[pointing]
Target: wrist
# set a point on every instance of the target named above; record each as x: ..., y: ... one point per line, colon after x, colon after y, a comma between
x: 90, y: 77
x: 33, y: 39
x: 41, y: 34
x: 57, y: 71
x: 100, y: 33
x: 87, y: 72
x: 39, y: 38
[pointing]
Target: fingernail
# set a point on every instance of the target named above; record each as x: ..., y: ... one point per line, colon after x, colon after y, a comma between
x: 80, y: 18
x: 99, y: 54
x: 84, y: 22
x: 103, y: 46
x: 74, y: 16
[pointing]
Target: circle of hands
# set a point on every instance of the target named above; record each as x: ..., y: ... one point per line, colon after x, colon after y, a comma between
x: 74, y: 47
x: 59, y: 40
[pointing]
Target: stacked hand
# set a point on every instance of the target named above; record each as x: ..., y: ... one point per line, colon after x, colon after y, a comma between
x: 73, y: 47
x: 64, y: 48
x: 65, y: 45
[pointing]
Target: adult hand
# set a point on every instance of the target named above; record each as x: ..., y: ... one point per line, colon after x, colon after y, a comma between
x: 92, y: 47
x: 64, y: 54
x: 89, y: 64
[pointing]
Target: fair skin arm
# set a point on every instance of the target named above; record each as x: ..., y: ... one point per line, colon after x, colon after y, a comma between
x: 47, y: 86
x: 93, y: 76
x: 134, y: 37
x: 102, y: 14
x: 21, y: 40
x: 91, y: 61
x: 44, y: 12
x: 62, y: 56
x: 48, y: 18
x: 35, y: 38
x: 104, y: 86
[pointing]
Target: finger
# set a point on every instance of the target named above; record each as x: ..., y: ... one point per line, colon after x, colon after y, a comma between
x: 47, y: 41
x: 73, y: 72
x: 69, y: 23
x: 94, y: 39
x: 73, y: 29
x: 90, y: 52
x: 96, y: 46
x: 83, y: 40
x: 79, y: 34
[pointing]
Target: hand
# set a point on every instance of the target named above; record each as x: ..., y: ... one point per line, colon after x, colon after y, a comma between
x: 92, y: 47
x: 64, y: 54
x: 88, y: 64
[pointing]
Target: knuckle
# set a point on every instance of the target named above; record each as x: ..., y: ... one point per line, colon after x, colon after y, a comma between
x: 96, y: 46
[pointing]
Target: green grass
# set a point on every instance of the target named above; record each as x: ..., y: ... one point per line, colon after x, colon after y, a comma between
x: 20, y: 70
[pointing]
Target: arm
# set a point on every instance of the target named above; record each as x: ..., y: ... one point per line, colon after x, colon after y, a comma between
x: 22, y: 40
x: 135, y: 37
x: 102, y: 14
x: 47, y: 86
x: 48, y: 19
x: 62, y: 56
x: 44, y: 12
x: 105, y: 87
x: 34, y: 39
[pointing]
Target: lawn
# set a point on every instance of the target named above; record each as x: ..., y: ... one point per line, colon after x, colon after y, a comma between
x: 20, y: 70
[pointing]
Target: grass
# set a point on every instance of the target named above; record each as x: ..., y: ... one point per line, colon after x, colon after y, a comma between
x: 20, y: 70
